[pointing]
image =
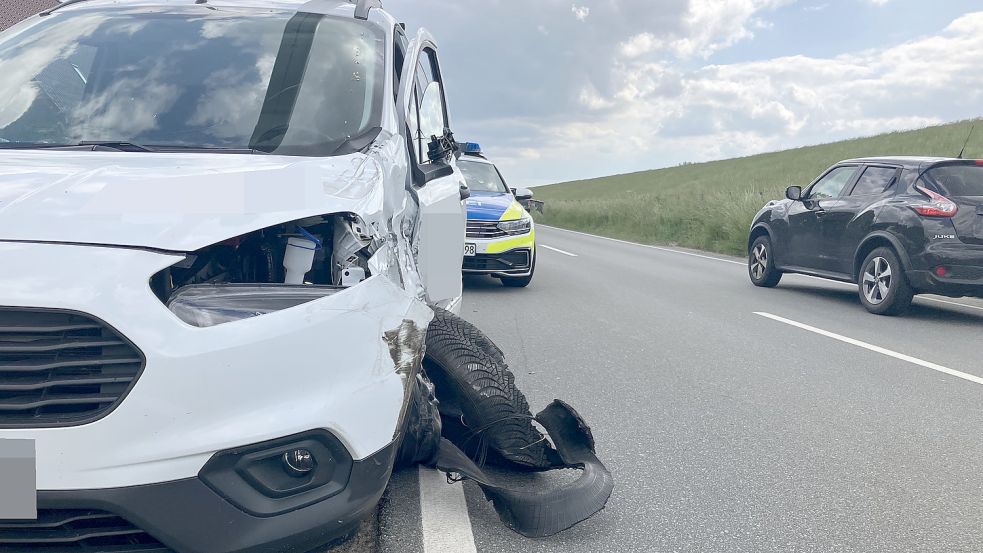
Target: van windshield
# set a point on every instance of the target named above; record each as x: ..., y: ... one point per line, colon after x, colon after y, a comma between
x: 194, y: 77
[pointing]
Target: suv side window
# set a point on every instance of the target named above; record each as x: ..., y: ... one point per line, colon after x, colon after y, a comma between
x: 874, y: 181
x: 832, y: 185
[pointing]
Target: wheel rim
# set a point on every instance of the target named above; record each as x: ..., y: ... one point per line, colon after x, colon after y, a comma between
x: 759, y: 261
x: 878, y: 278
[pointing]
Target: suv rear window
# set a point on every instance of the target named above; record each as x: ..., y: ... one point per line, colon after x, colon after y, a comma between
x: 199, y: 77
x: 957, y: 180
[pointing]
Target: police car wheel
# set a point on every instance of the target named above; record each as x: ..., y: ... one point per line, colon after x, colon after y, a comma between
x: 520, y: 282
x: 483, y: 412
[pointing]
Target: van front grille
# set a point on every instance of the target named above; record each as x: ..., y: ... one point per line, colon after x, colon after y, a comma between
x: 59, y: 368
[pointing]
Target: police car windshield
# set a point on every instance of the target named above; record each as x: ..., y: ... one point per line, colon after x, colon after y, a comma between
x: 192, y: 77
x: 482, y: 177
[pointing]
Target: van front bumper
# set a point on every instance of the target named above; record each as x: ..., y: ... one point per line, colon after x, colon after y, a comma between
x: 190, y: 516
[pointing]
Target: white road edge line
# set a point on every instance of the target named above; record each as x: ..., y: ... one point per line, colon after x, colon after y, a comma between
x: 660, y: 248
x: 877, y: 349
x: 444, y: 514
x: 925, y: 298
x: 558, y: 250
x: 936, y: 300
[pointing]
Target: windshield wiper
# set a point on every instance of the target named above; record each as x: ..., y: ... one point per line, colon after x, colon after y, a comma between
x: 7, y: 145
x: 117, y: 145
x: 168, y: 148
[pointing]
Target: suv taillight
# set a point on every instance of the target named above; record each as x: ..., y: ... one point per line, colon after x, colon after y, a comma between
x: 936, y: 205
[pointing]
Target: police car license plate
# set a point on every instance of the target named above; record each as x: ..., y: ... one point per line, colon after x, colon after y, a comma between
x: 470, y: 250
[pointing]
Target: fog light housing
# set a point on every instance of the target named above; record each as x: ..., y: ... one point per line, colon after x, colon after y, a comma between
x: 299, y: 462
x: 274, y: 477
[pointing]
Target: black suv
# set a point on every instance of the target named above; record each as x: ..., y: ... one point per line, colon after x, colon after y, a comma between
x: 896, y: 226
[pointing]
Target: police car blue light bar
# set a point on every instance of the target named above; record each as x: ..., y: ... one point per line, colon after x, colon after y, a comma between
x: 472, y: 148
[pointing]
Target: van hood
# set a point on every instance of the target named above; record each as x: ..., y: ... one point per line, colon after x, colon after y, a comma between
x: 177, y: 202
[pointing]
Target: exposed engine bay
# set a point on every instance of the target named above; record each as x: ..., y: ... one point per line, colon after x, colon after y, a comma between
x: 328, y: 250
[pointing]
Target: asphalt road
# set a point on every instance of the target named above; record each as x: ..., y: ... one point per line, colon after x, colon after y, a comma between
x: 727, y: 430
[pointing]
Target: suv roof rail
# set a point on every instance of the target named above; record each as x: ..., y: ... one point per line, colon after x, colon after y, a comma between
x: 362, y: 8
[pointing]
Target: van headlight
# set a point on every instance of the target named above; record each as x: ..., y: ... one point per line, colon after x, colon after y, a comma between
x: 205, y: 305
x: 518, y: 226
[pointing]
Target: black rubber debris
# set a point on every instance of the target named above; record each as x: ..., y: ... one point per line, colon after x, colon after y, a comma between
x: 542, y: 514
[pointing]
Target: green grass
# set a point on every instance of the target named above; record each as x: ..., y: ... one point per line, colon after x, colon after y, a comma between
x: 709, y: 206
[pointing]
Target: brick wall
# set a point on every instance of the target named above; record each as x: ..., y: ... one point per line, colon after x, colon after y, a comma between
x: 12, y: 11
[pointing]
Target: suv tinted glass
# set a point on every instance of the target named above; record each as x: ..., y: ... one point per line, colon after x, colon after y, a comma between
x: 874, y: 181
x: 957, y: 180
x: 192, y: 77
x: 832, y: 184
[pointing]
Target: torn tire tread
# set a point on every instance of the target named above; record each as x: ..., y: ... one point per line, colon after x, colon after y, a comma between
x: 488, y: 398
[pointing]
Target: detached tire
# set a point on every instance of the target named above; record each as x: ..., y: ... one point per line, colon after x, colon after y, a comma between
x: 761, y: 264
x: 483, y: 412
x: 521, y: 282
x: 884, y: 288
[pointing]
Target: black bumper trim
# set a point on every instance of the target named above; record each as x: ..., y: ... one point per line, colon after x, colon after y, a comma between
x: 517, y: 262
x: 189, y: 517
x: 926, y: 282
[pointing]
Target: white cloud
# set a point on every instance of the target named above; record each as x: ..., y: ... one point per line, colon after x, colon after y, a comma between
x: 715, y: 111
x: 580, y: 12
x: 879, y: 2
x: 708, y: 26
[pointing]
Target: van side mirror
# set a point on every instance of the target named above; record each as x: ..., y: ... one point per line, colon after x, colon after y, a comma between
x: 434, y: 170
x: 794, y: 193
x: 522, y: 194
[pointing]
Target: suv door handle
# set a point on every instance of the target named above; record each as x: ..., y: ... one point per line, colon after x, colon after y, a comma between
x: 821, y: 213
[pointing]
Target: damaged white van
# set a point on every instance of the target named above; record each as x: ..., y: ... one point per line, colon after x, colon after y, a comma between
x: 225, y: 228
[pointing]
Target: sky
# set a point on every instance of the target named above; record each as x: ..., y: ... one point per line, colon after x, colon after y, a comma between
x: 558, y: 90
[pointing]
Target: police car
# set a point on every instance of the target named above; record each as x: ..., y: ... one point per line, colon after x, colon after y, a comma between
x: 501, y: 235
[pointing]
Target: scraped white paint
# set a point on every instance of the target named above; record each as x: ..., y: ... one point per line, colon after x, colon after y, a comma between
x: 877, y: 349
x: 446, y: 524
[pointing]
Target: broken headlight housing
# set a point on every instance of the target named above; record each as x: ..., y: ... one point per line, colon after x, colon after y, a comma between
x: 205, y: 305
x: 518, y: 226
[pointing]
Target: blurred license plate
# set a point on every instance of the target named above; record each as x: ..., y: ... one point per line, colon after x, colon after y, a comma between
x: 18, y: 480
x: 470, y: 250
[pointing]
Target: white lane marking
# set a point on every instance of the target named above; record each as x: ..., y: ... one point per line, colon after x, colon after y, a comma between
x: 446, y: 524
x: 947, y: 302
x: 660, y: 248
x: 877, y: 349
x: 558, y: 250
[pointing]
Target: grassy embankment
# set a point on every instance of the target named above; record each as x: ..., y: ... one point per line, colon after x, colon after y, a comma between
x: 709, y: 206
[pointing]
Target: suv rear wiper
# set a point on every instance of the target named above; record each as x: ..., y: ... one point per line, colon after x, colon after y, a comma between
x: 117, y: 145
